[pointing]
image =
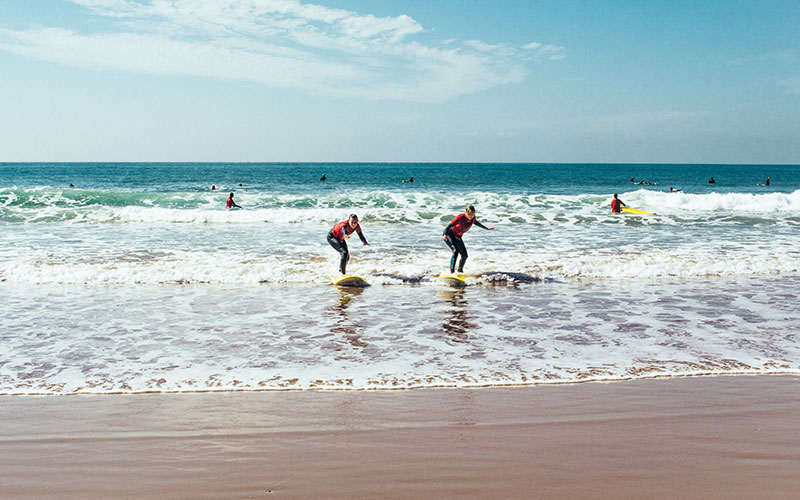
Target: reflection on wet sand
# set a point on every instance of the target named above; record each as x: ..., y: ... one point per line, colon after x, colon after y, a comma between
x: 456, y: 324
x: 344, y: 325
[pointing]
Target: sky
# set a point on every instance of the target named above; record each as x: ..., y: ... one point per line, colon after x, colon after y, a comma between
x: 400, y: 81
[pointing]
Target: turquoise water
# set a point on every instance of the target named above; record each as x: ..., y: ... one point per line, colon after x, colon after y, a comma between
x: 137, y: 279
x: 281, y: 178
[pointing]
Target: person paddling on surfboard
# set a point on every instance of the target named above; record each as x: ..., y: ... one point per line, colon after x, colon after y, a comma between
x: 229, y: 203
x: 616, y: 204
x: 453, y: 233
x: 341, y: 232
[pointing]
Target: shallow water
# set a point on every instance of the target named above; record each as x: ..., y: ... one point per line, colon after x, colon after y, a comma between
x: 78, y: 339
x: 138, y: 280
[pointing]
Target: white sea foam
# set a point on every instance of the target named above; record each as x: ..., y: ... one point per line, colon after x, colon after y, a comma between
x: 295, y: 250
x: 313, y: 261
x: 731, y: 203
x: 49, y: 205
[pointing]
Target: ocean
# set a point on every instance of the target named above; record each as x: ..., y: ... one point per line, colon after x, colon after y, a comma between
x: 127, y: 278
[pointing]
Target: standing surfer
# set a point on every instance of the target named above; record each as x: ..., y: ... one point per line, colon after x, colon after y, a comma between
x: 453, y: 233
x: 340, y: 232
x: 617, y: 204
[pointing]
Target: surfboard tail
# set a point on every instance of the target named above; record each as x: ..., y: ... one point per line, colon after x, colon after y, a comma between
x: 353, y: 281
x: 453, y: 279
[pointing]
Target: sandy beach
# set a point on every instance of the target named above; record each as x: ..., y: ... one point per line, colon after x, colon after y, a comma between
x: 710, y: 437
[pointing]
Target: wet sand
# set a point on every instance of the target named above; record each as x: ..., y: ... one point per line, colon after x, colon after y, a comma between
x: 709, y: 438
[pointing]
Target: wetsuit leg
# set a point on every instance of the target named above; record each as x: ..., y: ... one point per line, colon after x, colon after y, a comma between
x: 457, y: 247
x: 462, y: 249
x: 341, y: 247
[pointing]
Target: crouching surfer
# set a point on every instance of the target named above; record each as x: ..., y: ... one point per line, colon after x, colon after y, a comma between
x: 453, y: 233
x: 339, y: 233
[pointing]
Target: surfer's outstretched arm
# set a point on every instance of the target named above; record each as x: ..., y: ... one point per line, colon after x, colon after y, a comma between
x: 482, y: 226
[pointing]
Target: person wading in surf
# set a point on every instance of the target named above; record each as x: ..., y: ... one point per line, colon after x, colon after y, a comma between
x: 453, y: 233
x: 229, y: 203
x: 616, y: 204
x: 340, y: 232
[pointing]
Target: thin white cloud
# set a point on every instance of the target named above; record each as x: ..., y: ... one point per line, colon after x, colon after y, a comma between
x: 551, y: 52
x: 280, y: 43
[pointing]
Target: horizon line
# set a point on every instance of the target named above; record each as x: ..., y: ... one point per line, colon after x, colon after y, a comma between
x: 271, y: 162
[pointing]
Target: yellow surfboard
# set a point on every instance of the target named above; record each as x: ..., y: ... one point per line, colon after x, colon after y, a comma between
x: 453, y: 279
x: 635, y: 211
x: 356, y: 281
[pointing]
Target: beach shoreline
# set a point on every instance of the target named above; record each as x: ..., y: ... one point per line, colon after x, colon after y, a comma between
x: 693, y: 437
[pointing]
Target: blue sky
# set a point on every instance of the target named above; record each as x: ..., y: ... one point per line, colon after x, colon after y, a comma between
x: 411, y: 80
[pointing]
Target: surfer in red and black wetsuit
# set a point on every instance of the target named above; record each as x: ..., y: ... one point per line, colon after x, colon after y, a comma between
x: 339, y: 233
x: 616, y: 204
x: 453, y: 233
x: 229, y: 203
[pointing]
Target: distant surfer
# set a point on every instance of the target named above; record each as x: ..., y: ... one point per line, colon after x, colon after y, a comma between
x: 673, y: 190
x: 767, y: 183
x: 340, y: 232
x: 323, y: 178
x: 229, y: 203
x: 213, y: 187
x: 632, y: 179
x: 617, y: 204
x: 712, y: 181
x: 73, y: 185
x: 453, y: 233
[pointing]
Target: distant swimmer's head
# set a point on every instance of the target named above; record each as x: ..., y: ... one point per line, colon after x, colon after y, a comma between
x: 353, y: 220
x: 213, y: 187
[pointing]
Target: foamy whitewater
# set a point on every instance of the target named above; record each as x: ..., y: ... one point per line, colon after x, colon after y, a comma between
x: 137, y: 279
